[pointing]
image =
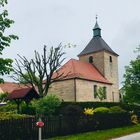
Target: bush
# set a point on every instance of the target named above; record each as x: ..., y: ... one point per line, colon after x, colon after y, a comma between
x: 117, y: 109
x: 3, y: 97
x: 100, y: 110
x: 88, y: 111
x: 30, y: 110
x: 8, y: 107
x: 72, y: 115
x: 83, y: 105
x: 11, y: 115
x: 72, y: 110
x: 90, y: 104
x: 47, y: 105
x: 111, y: 120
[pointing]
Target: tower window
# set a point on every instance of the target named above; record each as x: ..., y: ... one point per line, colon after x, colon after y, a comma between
x: 95, y: 91
x: 110, y: 59
x: 90, y: 59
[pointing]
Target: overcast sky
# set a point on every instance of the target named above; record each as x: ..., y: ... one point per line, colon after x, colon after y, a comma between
x: 71, y: 21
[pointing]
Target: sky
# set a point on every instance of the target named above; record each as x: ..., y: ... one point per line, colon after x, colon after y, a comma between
x: 50, y: 22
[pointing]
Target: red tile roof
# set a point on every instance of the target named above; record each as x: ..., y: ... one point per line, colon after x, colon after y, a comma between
x: 79, y: 69
x: 10, y: 86
x: 21, y: 93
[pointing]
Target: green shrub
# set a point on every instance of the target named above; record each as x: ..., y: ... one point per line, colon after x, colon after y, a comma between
x: 8, y: 107
x: 111, y: 120
x: 30, y: 110
x: 72, y: 110
x: 88, y: 111
x: 101, y: 110
x: 117, y: 109
x: 125, y: 106
x: 3, y: 97
x: 47, y: 105
x: 11, y: 115
x: 91, y: 104
x: 72, y: 115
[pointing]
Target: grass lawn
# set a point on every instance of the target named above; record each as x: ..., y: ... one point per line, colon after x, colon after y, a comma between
x: 102, y: 135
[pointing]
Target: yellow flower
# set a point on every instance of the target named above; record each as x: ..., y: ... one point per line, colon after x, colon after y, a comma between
x: 88, y: 111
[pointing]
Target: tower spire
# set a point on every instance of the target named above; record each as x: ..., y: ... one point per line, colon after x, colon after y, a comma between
x: 96, y: 29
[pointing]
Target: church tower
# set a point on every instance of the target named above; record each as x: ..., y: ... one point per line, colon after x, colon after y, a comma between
x: 98, y: 53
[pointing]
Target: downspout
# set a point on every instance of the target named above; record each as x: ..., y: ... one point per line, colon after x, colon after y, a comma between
x: 75, y: 89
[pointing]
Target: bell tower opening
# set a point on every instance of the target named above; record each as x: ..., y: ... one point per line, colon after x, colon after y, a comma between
x: 90, y: 59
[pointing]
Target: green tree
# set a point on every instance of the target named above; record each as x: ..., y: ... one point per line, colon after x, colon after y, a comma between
x: 132, y: 80
x: 101, y: 93
x: 3, y: 97
x: 5, y: 40
x: 46, y: 105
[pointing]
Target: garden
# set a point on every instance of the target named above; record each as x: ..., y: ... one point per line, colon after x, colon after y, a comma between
x: 63, y: 118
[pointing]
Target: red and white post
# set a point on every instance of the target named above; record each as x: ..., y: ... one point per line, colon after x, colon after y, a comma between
x: 40, y: 124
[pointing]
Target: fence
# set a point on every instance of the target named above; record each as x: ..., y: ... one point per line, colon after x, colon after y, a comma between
x: 26, y: 129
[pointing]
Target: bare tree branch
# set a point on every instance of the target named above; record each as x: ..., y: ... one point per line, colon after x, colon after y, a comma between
x: 41, y: 68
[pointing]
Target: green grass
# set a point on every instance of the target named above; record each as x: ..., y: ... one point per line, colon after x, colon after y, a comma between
x: 102, y: 134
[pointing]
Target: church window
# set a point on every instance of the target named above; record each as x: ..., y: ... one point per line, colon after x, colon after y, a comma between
x: 95, y: 91
x: 90, y: 59
x: 104, y: 90
x: 110, y: 59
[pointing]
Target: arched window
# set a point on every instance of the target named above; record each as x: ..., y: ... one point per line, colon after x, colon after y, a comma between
x: 90, y: 59
x: 105, y: 92
x: 95, y: 91
x: 110, y: 59
x: 111, y: 65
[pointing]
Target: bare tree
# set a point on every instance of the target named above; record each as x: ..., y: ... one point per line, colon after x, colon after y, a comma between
x: 40, y: 69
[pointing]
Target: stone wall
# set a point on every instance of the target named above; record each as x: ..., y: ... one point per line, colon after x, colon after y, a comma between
x: 63, y: 90
x: 85, y: 91
x: 101, y: 60
x: 66, y: 90
x: 111, y: 73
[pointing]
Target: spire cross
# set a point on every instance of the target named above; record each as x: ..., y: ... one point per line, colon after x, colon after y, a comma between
x: 96, y: 17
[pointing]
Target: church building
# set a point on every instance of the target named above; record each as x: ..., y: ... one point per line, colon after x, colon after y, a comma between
x: 96, y: 68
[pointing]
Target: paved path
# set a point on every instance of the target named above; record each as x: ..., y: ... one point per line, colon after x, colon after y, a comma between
x: 135, y: 136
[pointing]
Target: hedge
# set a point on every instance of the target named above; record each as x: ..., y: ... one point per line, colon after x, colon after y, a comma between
x: 97, y: 121
x: 11, y: 115
x: 124, y: 106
